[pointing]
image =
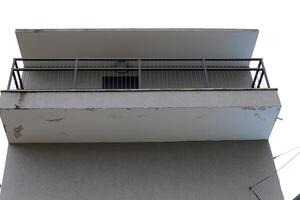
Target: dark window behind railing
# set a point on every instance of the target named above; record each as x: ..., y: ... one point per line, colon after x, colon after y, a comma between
x: 136, y: 73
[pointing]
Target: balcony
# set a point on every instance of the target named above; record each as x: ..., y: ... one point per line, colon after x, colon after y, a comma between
x: 138, y: 100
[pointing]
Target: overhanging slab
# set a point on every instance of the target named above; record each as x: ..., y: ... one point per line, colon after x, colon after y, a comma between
x: 132, y: 43
x: 149, y: 116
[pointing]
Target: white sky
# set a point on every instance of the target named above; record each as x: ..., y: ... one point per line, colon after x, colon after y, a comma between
x: 278, y: 43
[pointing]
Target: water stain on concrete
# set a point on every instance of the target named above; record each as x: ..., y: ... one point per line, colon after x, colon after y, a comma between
x: 91, y: 109
x: 114, y: 116
x: 262, y: 108
x: 258, y: 116
x: 142, y: 116
x: 17, y: 131
x: 248, y: 108
x: 63, y: 133
x: 54, y: 120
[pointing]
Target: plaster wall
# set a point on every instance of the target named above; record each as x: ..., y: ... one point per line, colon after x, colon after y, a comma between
x: 135, y: 171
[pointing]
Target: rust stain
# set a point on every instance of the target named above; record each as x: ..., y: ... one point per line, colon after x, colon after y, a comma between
x: 54, y: 120
x: 17, y: 131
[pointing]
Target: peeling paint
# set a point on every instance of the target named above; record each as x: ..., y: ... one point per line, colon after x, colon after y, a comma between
x: 54, y: 120
x: 17, y: 131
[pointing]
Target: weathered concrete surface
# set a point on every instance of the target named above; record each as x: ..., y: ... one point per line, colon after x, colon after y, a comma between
x: 131, y: 43
x: 135, y: 171
x: 181, y: 98
x: 145, y: 116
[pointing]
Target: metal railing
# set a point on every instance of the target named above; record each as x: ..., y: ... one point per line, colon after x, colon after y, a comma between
x: 138, y: 73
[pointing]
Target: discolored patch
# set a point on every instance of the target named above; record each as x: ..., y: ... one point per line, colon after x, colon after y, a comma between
x: 17, y: 131
x: 90, y: 109
x: 142, y: 116
x: 249, y: 108
x: 262, y: 108
x: 54, y: 120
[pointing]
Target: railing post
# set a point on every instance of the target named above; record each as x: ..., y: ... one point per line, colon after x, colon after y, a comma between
x: 11, y: 74
x: 265, y: 73
x: 260, y: 79
x: 140, y: 73
x: 75, y: 73
x: 205, y: 73
x: 18, y: 74
x: 15, y: 80
x: 256, y: 74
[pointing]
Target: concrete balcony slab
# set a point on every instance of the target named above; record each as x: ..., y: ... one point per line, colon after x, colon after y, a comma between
x: 138, y: 115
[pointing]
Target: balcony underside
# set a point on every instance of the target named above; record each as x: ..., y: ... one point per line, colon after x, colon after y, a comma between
x: 131, y: 116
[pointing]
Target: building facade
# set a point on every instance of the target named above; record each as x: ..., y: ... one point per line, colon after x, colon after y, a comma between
x: 138, y: 114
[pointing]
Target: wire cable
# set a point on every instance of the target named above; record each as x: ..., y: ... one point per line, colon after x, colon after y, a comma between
x: 256, y: 195
x: 251, y: 188
x: 293, y: 149
x: 275, y: 172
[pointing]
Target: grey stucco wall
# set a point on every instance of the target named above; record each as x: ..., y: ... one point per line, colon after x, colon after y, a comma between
x: 135, y: 171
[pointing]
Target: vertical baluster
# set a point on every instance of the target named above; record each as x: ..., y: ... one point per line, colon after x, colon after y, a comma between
x: 205, y: 73
x: 75, y: 73
x: 18, y: 74
x: 140, y: 73
x: 256, y: 74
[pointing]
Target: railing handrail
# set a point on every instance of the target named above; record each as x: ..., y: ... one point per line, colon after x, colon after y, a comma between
x: 135, y: 59
x: 139, y: 68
